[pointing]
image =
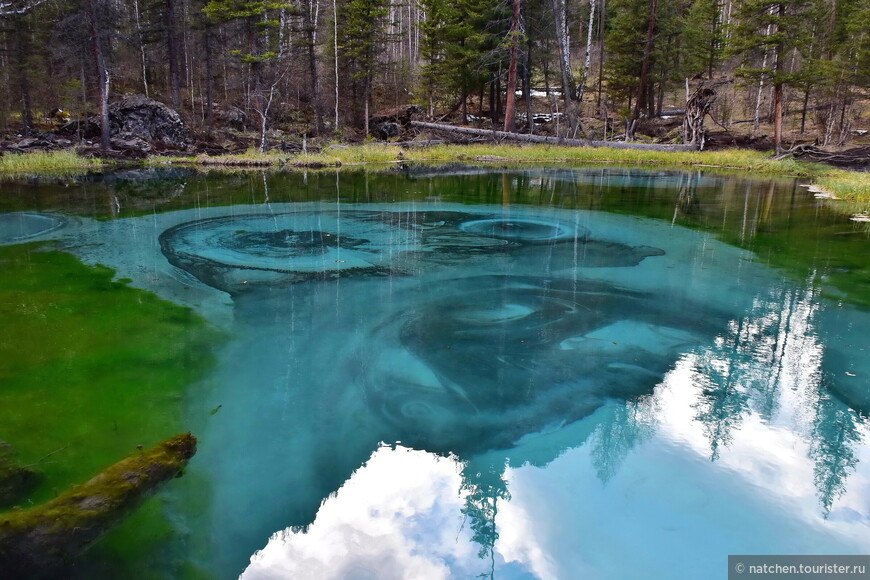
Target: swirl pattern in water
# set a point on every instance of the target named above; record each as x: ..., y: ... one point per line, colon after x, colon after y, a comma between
x: 17, y: 227
x: 486, y: 360
x: 236, y: 253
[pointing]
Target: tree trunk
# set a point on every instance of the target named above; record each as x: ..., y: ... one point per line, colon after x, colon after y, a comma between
x: 587, y: 61
x: 311, y: 41
x: 335, y: 48
x: 777, y: 86
x: 102, y: 75
x: 510, y: 107
x: 551, y: 140
x: 21, y: 54
x: 643, y: 80
x: 139, y: 37
x: 209, y: 76
x: 804, y: 108
x: 527, y: 92
x: 568, y: 89
x: 172, y: 55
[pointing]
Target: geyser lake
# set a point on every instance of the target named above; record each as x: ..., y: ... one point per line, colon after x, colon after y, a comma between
x: 453, y: 372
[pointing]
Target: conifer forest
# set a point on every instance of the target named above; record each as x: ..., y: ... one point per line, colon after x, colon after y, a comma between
x: 324, y: 68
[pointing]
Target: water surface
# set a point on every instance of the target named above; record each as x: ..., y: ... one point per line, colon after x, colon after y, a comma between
x: 540, y: 373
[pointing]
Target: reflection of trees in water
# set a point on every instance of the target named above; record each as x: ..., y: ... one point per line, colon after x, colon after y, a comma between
x: 768, y: 363
x: 483, y: 485
x: 835, y: 436
x: 772, y: 351
x: 623, y: 426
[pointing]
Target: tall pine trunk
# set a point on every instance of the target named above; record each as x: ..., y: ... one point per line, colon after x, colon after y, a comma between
x: 102, y: 75
x: 510, y: 106
x: 646, y: 63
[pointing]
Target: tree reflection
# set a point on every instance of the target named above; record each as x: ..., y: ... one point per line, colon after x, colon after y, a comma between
x: 835, y: 436
x: 483, y: 486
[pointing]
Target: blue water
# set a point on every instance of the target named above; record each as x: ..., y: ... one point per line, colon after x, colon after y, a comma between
x: 436, y: 390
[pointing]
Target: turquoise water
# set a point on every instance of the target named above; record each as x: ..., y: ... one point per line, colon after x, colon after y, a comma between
x: 558, y: 388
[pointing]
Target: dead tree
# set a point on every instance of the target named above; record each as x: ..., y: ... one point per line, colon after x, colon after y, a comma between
x: 698, y: 105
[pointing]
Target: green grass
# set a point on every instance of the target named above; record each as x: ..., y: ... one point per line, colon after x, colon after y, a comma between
x: 847, y: 185
x: 728, y: 159
x: 47, y: 161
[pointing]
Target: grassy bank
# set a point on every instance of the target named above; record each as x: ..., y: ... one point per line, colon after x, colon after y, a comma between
x: 47, y: 162
x: 848, y: 185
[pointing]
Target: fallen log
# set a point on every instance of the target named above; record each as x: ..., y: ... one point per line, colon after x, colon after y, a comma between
x: 855, y: 158
x: 43, y: 540
x: 526, y: 138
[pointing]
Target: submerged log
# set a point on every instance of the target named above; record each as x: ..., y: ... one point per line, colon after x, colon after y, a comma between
x: 42, y: 540
x: 525, y: 138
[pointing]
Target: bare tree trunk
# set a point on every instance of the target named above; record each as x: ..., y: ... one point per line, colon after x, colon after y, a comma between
x: 335, y: 48
x: 367, y: 98
x: 777, y: 87
x: 172, y: 56
x: 21, y: 54
x: 510, y: 106
x: 587, y: 61
x: 527, y: 92
x: 141, y: 40
x: 102, y: 75
x: 209, y: 76
x: 757, y: 118
x: 643, y: 81
x: 563, y: 44
x: 311, y: 16
x: 601, y: 56
x: 804, y: 108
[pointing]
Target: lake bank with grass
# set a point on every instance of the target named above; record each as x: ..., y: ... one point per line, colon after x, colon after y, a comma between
x: 852, y: 187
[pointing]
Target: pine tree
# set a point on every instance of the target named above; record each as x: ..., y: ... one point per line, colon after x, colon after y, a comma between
x: 767, y: 32
x: 361, y: 39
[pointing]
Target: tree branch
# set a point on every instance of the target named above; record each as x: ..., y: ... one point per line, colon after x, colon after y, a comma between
x: 9, y: 9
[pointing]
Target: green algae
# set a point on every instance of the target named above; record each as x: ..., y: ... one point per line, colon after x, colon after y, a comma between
x: 49, y: 538
x: 90, y: 368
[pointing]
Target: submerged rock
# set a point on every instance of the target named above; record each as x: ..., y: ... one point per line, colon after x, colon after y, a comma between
x: 42, y: 540
x: 15, y: 480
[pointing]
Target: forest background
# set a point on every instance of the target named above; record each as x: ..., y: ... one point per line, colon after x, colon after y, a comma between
x: 321, y: 68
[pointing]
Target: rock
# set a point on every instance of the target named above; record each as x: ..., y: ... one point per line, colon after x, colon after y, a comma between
x: 137, y: 116
x: 387, y: 130
x: 234, y: 118
x: 130, y: 142
x: 15, y: 481
x: 45, y: 540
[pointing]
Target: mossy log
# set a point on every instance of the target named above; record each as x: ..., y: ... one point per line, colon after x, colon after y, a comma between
x: 44, y: 539
x: 15, y: 480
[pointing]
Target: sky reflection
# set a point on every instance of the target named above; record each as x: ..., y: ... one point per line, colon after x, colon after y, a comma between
x: 742, y: 448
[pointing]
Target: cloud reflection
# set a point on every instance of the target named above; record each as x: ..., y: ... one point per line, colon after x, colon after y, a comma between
x: 401, y: 515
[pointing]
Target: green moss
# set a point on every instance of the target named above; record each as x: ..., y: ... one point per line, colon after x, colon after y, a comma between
x: 90, y: 367
x: 48, y: 538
